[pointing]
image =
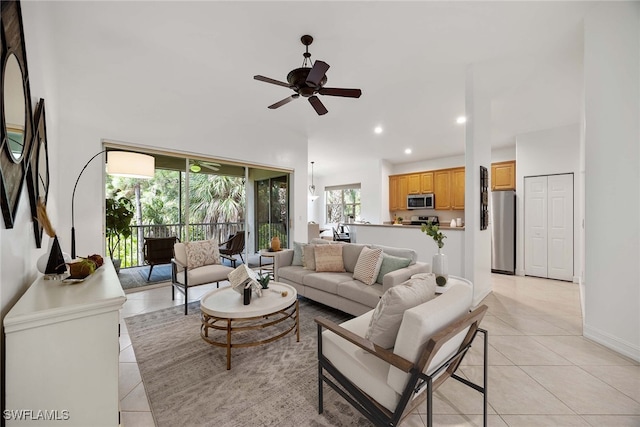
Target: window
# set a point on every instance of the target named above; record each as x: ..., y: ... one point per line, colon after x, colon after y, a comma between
x: 342, y: 202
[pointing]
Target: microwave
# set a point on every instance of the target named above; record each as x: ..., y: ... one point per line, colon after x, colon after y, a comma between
x: 420, y: 201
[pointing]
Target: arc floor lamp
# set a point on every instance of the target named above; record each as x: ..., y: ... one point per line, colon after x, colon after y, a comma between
x: 119, y: 163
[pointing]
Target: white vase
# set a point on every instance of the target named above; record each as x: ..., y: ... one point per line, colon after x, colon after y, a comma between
x: 440, y: 267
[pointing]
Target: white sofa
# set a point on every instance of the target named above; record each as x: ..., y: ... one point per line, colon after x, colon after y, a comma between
x: 340, y: 290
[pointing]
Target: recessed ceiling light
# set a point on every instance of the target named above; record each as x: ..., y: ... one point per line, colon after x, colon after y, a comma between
x: 378, y: 129
x: 407, y: 151
x: 460, y: 120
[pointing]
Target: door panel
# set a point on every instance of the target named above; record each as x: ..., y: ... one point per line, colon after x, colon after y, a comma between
x: 560, y: 255
x: 535, y: 226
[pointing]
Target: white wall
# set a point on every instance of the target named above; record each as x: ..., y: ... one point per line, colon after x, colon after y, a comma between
x: 548, y: 152
x: 426, y: 165
x: 612, y: 175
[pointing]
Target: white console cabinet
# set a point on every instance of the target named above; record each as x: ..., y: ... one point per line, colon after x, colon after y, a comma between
x: 62, y: 351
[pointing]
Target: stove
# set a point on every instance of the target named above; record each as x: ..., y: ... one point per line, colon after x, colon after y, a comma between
x: 424, y: 219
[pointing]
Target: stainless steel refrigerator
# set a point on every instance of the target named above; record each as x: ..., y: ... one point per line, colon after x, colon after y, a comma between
x: 503, y: 237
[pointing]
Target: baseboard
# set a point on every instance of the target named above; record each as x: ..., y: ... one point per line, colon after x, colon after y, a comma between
x: 477, y: 299
x: 626, y: 349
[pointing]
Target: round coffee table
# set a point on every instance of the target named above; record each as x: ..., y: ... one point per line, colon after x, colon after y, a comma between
x: 223, y: 310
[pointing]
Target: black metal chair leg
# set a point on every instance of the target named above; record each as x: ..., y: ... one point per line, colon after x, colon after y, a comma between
x: 150, y: 270
x: 186, y: 300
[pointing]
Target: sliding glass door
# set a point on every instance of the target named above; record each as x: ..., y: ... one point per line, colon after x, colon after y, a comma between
x: 272, y: 211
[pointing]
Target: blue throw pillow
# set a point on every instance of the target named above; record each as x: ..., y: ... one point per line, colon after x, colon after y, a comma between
x: 297, y: 253
x: 391, y: 263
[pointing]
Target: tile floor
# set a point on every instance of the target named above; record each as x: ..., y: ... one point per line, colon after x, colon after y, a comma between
x: 542, y: 371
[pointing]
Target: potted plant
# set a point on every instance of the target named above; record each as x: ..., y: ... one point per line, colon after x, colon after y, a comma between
x: 264, y: 279
x: 439, y: 262
x: 118, y: 212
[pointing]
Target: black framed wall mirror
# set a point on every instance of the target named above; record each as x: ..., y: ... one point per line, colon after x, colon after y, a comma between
x: 16, y: 132
x: 38, y: 169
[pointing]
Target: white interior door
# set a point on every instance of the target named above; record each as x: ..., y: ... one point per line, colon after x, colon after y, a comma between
x: 535, y: 226
x: 560, y: 227
x: 548, y: 224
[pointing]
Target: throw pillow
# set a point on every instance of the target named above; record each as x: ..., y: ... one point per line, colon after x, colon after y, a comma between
x: 387, y: 317
x: 202, y: 252
x: 297, y: 253
x: 329, y: 258
x: 391, y: 263
x: 309, y: 257
x: 368, y: 265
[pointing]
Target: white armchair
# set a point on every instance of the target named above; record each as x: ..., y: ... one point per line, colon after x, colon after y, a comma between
x: 385, y: 385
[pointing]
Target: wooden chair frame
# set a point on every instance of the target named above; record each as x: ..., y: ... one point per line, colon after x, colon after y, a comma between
x: 376, y: 413
x: 233, y: 246
x: 158, y: 250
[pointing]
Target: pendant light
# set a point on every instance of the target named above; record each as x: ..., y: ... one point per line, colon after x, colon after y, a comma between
x: 312, y: 187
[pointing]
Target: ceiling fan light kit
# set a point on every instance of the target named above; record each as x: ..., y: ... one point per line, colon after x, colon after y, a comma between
x: 309, y: 81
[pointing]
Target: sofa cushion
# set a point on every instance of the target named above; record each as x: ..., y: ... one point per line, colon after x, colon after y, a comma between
x: 399, y: 252
x: 329, y: 258
x: 355, y: 290
x: 366, y: 371
x: 327, y: 282
x: 204, y: 274
x: 422, y: 322
x: 391, y: 263
x: 387, y: 316
x: 309, y: 257
x: 294, y: 273
x: 202, y: 252
x: 368, y: 265
x: 297, y: 253
x: 350, y: 254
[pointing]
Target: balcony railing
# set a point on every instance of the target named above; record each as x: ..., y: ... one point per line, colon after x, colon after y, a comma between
x: 131, y: 248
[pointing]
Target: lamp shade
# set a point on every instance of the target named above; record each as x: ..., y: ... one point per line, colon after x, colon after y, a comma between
x: 128, y: 164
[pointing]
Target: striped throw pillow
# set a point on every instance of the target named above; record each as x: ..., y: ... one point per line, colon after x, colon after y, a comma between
x: 368, y: 265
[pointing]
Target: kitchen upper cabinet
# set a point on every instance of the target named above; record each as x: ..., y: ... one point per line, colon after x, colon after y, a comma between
x: 413, y: 184
x: 398, y: 190
x: 457, y: 188
x: 442, y: 188
x: 426, y: 182
x: 503, y: 176
x: 448, y: 185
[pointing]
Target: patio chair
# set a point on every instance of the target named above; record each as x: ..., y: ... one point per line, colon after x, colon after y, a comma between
x: 158, y: 250
x: 341, y: 236
x: 233, y: 246
x: 386, y: 385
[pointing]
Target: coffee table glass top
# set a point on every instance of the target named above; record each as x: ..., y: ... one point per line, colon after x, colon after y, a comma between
x: 227, y: 303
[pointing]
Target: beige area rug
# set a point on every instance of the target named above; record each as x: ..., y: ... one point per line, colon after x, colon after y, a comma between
x: 270, y: 385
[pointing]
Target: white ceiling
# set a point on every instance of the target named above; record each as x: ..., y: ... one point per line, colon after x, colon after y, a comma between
x: 408, y: 58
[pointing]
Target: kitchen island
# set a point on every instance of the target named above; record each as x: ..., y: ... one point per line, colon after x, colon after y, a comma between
x: 410, y: 236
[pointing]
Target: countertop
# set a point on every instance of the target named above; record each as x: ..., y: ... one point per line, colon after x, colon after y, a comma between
x: 404, y: 225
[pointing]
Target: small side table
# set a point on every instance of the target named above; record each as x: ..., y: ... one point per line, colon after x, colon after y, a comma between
x: 267, y: 267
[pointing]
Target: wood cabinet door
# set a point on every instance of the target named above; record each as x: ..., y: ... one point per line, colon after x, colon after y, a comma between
x: 393, y: 189
x: 403, y: 190
x: 457, y: 188
x: 413, y: 184
x: 442, y: 189
x: 426, y: 182
x: 503, y: 176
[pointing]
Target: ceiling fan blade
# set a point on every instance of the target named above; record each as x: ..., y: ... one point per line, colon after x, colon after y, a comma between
x: 317, y: 73
x: 284, y: 101
x: 209, y: 166
x: 334, y: 91
x: 318, y: 105
x: 272, y: 81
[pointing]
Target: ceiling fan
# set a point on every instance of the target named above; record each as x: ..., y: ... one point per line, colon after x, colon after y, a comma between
x: 308, y: 81
x: 197, y: 165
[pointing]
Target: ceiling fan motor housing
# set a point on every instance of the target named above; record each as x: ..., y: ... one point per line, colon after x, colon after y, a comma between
x: 298, y: 80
